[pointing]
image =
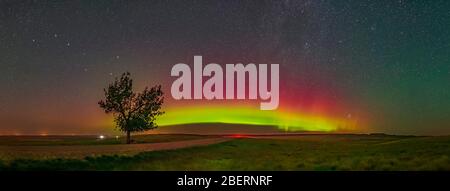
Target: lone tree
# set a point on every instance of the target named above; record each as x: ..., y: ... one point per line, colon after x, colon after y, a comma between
x: 133, y: 112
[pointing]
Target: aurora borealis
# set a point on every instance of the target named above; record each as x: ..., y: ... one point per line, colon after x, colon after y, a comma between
x: 351, y: 65
x: 286, y: 121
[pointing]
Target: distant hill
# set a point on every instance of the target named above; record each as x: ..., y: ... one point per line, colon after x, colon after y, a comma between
x: 220, y: 128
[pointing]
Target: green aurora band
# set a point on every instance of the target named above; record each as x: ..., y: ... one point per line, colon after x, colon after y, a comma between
x: 287, y: 121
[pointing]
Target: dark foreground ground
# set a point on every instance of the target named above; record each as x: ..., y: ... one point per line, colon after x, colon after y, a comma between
x: 300, y: 152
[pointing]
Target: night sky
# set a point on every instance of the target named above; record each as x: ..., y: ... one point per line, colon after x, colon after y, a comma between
x: 381, y: 66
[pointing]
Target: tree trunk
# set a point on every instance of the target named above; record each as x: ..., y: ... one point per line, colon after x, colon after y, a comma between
x: 128, y: 137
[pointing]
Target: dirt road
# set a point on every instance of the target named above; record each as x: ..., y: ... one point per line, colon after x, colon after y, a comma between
x: 80, y: 151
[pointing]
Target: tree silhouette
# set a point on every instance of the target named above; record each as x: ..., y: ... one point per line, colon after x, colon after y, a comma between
x: 133, y: 112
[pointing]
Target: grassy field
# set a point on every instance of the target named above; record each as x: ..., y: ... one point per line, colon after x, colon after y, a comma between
x: 307, y: 152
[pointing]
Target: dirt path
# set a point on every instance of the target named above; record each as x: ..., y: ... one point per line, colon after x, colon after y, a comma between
x: 80, y: 151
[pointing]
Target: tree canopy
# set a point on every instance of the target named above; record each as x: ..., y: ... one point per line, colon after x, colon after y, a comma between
x: 133, y: 112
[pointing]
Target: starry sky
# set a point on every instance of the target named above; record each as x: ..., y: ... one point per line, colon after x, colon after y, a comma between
x: 365, y: 66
